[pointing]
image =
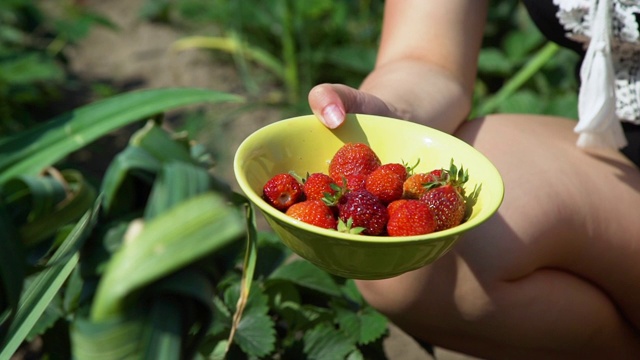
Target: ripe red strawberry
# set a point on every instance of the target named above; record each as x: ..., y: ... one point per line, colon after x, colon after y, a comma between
x: 400, y: 169
x: 353, y: 158
x: 365, y: 210
x: 314, y: 212
x: 410, y: 217
x: 355, y: 181
x: 318, y: 185
x: 446, y: 204
x: 415, y: 185
x: 386, y: 183
x: 445, y: 197
x: 394, y: 205
x: 282, y: 191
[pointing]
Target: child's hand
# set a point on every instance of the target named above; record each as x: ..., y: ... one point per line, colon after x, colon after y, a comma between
x: 330, y: 103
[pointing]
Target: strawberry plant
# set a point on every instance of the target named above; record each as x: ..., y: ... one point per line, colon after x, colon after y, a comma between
x: 161, y: 259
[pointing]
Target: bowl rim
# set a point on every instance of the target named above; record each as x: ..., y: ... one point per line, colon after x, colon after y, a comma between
x: 257, y: 200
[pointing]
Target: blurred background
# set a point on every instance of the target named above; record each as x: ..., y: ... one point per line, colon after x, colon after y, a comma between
x: 58, y: 54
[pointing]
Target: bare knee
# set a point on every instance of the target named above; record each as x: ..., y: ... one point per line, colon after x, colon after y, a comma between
x: 387, y: 296
x: 549, y: 313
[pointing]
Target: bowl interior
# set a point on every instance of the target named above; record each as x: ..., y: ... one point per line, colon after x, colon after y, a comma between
x: 302, y: 144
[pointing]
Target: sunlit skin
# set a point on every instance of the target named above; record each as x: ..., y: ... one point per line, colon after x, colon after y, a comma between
x: 555, y: 273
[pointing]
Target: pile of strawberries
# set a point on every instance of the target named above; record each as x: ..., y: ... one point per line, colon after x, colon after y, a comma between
x: 363, y: 196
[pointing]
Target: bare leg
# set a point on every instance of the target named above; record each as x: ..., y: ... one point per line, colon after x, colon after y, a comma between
x: 554, y: 274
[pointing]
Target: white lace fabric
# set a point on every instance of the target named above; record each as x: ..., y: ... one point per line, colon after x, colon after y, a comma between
x: 610, y: 90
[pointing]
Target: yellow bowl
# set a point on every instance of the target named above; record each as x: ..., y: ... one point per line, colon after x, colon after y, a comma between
x: 302, y: 144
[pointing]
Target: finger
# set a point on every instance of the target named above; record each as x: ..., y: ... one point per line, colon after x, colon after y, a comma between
x: 327, y: 105
x: 330, y: 103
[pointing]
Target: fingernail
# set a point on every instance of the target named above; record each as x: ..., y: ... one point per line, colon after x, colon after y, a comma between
x: 332, y: 116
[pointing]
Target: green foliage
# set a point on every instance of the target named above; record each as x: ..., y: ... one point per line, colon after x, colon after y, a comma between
x: 300, y: 44
x: 32, y: 61
x: 296, y: 310
x: 47, y: 216
x: 519, y: 71
x: 161, y: 260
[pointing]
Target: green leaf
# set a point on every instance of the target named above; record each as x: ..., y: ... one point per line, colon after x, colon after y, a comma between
x: 131, y: 168
x: 29, y: 68
x: 285, y: 301
x: 31, y: 197
x: 565, y: 105
x: 493, y: 61
x: 273, y: 253
x: 187, y: 294
x: 255, y: 332
x: 256, y: 335
x: 355, y: 355
x: 31, y: 151
x: 159, y: 144
x: 45, y: 286
x: 95, y: 341
x: 163, y: 330
x: 175, y: 183
x: 326, y: 342
x: 51, y: 314
x: 169, y: 322
x: 523, y: 102
x: 519, y: 44
x: 73, y: 291
x: 180, y: 236
x: 305, y: 274
x: 54, y: 214
x: 362, y: 327
x: 222, y: 317
x: 352, y: 293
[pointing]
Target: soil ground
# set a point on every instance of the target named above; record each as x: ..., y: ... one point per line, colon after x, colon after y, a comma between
x: 137, y: 56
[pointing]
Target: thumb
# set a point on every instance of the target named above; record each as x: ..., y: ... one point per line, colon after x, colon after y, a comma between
x: 331, y: 102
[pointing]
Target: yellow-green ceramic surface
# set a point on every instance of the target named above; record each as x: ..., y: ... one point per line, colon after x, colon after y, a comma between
x: 304, y: 145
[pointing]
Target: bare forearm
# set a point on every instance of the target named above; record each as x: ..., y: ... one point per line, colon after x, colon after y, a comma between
x: 421, y: 92
x: 426, y: 64
x: 425, y: 70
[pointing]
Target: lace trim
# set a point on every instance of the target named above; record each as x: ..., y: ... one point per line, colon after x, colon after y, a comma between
x: 575, y: 16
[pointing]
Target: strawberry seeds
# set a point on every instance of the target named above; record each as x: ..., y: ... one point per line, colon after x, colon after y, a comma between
x: 360, y: 195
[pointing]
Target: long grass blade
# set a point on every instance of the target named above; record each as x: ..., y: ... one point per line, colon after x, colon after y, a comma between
x: 181, y: 235
x: 45, y: 285
x: 542, y: 57
x: 248, y: 269
x: 232, y: 45
x: 31, y: 151
x: 176, y: 183
x: 81, y: 195
x: 91, y: 341
x: 164, y: 330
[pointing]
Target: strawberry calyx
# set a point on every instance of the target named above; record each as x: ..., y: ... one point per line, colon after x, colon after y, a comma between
x: 300, y: 179
x: 411, y: 168
x: 348, y: 228
x: 452, y: 176
x: 338, y: 191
